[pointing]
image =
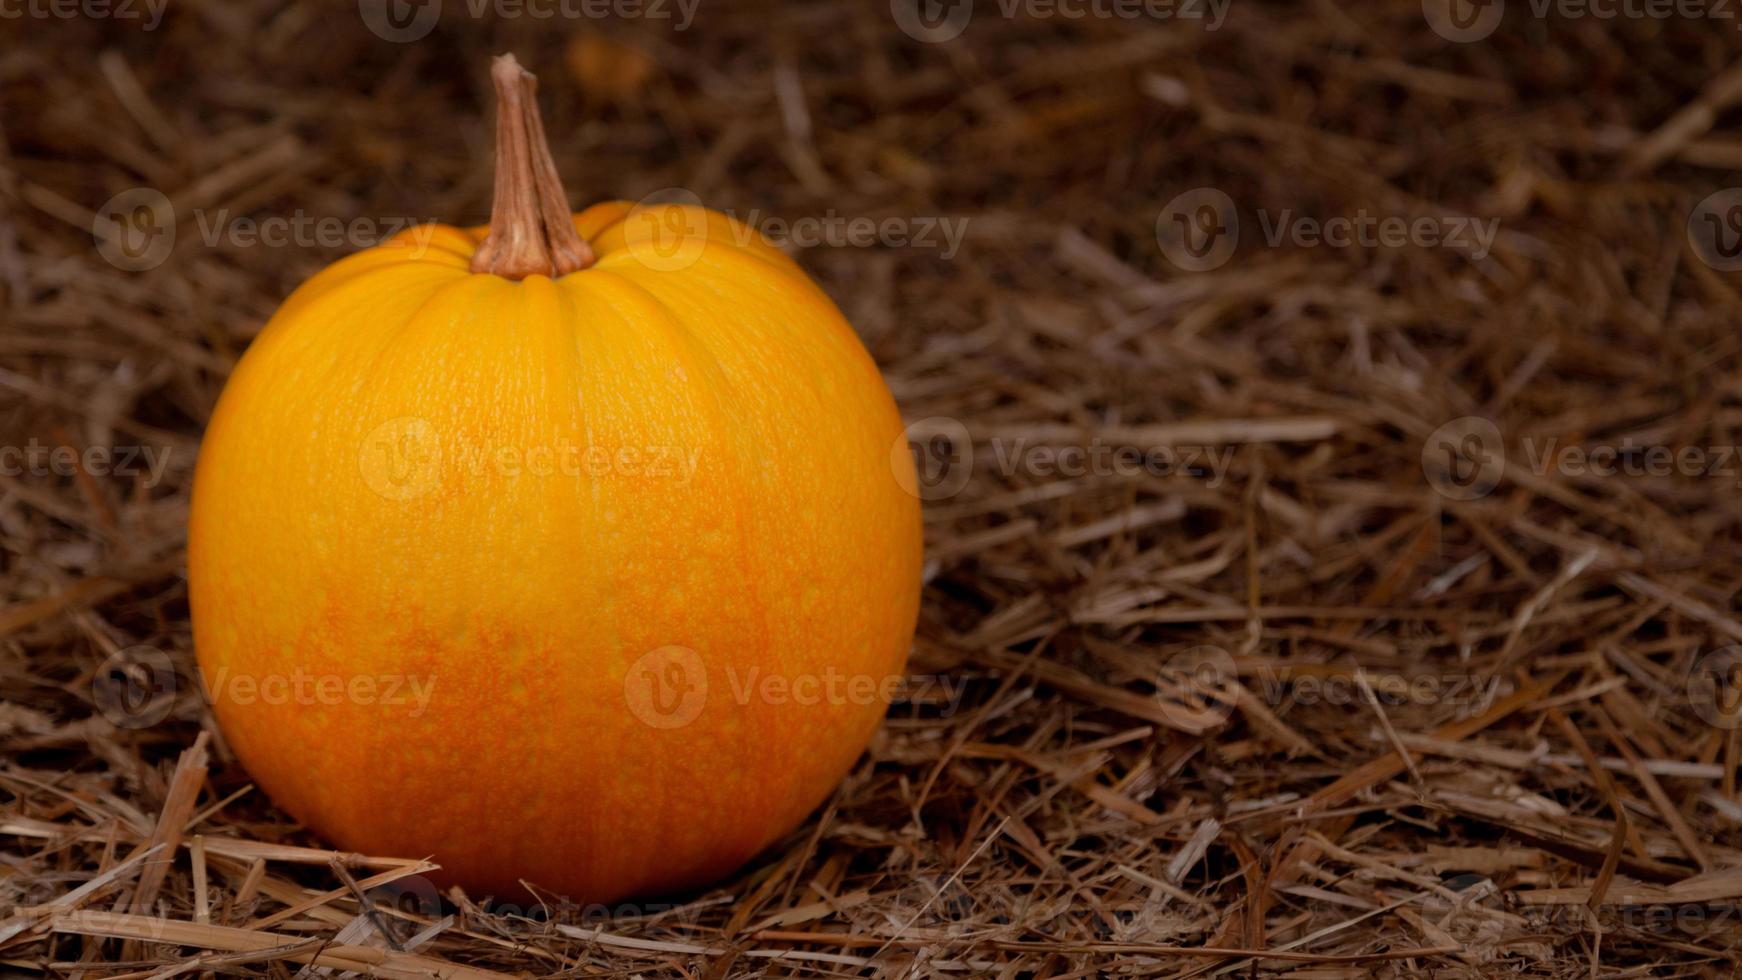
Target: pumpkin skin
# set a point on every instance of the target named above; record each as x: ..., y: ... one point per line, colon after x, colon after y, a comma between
x: 418, y: 472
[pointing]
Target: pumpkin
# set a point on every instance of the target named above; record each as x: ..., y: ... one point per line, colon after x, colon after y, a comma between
x: 570, y: 551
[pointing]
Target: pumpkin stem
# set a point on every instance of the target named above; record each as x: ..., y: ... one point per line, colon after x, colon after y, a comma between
x: 531, y: 230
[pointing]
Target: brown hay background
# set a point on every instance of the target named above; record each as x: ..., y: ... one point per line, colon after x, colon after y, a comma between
x: 1060, y: 823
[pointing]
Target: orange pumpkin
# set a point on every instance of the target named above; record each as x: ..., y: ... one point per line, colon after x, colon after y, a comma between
x: 568, y: 550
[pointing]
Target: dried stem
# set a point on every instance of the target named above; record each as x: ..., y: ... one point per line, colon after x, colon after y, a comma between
x: 531, y: 231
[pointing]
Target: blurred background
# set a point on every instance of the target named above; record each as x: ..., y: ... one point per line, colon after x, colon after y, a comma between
x: 1326, y: 414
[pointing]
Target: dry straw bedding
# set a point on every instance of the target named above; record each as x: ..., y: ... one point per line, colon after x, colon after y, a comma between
x: 1438, y: 718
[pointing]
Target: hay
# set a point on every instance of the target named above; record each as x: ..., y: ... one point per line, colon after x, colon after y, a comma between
x: 1314, y: 699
